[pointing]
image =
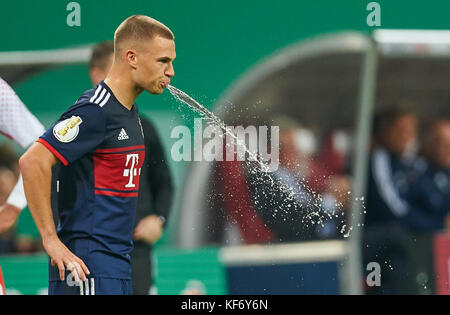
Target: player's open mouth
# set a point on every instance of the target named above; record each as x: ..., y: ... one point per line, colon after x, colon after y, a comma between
x: 165, y: 84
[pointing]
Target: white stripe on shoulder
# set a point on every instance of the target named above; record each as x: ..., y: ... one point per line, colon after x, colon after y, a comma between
x: 105, y: 100
x: 86, y: 284
x: 383, y: 178
x: 95, y: 94
x: 81, y: 287
x: 100, y: 97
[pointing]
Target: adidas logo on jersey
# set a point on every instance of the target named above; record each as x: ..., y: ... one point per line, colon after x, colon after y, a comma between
x: 122, y: 135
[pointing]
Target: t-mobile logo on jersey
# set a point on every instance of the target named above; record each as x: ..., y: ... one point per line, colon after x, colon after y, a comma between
x: 131, y: 171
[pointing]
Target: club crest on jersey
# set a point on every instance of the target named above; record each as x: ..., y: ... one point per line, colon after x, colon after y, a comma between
x: 67, y: 130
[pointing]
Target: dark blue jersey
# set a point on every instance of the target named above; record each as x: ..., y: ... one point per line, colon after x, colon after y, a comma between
x: 392, y: 193
x: 100, y: 144
x: 432, y: 192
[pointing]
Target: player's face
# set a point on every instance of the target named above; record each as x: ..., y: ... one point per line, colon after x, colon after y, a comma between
x: 402, y: 134
x: 442, y: 145
x: 154, y: 67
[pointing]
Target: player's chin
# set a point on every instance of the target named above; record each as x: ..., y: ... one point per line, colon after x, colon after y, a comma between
x: 156, y: 90
x: 159, y: 88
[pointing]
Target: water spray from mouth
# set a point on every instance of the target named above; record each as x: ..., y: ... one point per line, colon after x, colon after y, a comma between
x: 205, y: 113
x: 305, y: 198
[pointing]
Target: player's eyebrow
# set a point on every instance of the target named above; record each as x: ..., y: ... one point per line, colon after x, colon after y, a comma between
x: 165, y: 59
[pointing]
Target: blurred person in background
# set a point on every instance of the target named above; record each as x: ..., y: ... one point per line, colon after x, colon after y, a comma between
x: 391, y: 214
x: 156, y: 188
x: 322, y: 195
x: 394, y: 170
x: 18, y: 124
x: 432, y: 190
x: 261, y: 210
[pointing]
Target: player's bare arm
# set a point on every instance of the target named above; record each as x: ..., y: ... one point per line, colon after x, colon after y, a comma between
x: 36, y: 167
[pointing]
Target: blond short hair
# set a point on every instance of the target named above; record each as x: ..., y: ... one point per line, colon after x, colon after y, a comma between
x: 137, y: 28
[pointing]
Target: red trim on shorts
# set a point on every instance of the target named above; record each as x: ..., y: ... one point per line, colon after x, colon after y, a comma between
x: 115, y: 193
x: 53, y: 150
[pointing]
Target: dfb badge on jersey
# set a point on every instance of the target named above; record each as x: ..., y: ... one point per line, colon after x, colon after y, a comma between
x: 67, y: 130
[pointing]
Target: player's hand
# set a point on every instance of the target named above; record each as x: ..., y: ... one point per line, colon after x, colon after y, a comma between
x: 62, y: 257
x: 149, y: 229
x: 8, y: 216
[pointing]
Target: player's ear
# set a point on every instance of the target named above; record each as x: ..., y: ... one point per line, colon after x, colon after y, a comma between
x: 131, y: 58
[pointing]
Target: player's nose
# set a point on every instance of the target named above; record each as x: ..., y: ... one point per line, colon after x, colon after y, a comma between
x: 170, y: 72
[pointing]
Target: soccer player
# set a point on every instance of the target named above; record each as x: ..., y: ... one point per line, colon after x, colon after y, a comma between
x: 99, y: 141
x: 18, y: 124
x: 155, y: 191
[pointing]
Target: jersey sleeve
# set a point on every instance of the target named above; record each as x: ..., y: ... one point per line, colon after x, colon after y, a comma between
x: 79, y: 131
x: 16, y: 121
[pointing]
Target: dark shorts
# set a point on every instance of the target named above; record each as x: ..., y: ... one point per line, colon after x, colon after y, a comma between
x: 93, y: 286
